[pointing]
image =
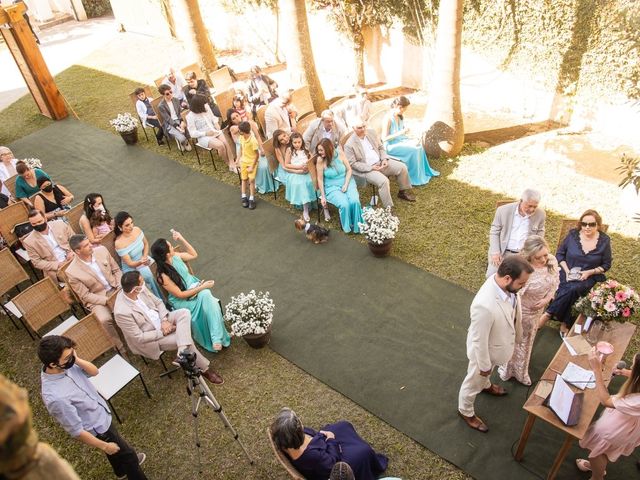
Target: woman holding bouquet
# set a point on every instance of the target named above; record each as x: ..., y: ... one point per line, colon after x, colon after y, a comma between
x: 587, y: 251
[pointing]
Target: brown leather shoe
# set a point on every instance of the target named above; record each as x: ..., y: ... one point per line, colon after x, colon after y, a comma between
x: 405, y: 195
x: 495, y: 390
x: 213, y: 377
x: 475, y: 422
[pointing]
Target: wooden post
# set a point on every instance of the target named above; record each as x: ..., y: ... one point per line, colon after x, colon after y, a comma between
x: 27, y: 55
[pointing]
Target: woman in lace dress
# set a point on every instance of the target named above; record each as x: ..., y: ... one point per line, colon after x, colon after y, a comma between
x: 535, y: 296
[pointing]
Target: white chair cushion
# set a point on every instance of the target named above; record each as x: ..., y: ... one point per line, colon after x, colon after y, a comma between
x: 13, y: 309
x: 63, y: 327
x: 113, y: 376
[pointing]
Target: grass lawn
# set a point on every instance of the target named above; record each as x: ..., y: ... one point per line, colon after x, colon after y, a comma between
x: 444, y: 232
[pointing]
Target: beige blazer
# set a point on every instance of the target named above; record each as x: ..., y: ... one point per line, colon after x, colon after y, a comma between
x: 501, y: 227
x: 85, y: 282
x: 355, y: 152
x: 493, y: 330
x: 276, y: 119
x: 315, y: 132
x: 139, y: 333
x: 41, y: 253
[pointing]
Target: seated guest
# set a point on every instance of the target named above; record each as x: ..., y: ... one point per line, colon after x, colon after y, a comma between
x: 511, y: 225
x: 617, y: 431
x: 262, y: 89
x: 93, y: 203
x: 5, y: 199
x: 171, y: 109
x: 300, y: 189
x: 27, y: 181
x: 48, y: 244
x: 188, y: 291
x: 101, y: 224
x: 150, y: 329
x: 197, y: 86
x: 586, y: 251
x: 7, y: 167
x: 177, y: 84
x: 369, y: 160
x: 239, y: 106
x: 398, y: 145
x: 147, y: 114
x: 280, y: 115
x: 314, y: 454
x: 324, y: 127
x: 337, y: 187
x: 342, y: 471
x: 133, y: 248
x: 94, y: 276
x: 203, y: 126
x: 53, y: 200
x: 281, y: 142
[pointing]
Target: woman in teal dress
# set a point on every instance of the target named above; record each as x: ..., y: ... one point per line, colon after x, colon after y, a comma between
x: 399, y: 146
x: 281, y: 141
x: 27, y: 181
x: 337, y: 186
x: 188, y: 291
x: 132, y: 247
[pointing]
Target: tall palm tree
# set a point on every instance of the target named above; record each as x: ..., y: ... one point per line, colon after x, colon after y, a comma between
x: 300, y: 63
x: 443, y: 133
x: 195, y: 28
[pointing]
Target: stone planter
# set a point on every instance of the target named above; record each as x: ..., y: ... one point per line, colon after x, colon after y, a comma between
x: 130, y: 137
x: 258, y: 340
x: 381, y: 250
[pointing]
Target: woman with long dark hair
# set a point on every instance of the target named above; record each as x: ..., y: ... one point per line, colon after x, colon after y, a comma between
x: 92, y: 203
x: 185, y: 290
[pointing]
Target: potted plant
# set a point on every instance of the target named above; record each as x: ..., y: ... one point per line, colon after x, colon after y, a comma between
x: 127, y: 126
x: 379, y: 228
x: 250, y: 315
x: 609, y: 301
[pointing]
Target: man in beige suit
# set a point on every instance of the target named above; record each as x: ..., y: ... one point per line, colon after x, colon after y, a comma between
x: 280, y: 115
x: 496, y: 324
x: 150, y: 329
x: 324, y: 127
x: 48, y: 244
x: 369, y: 160
x: 511, y: 226
x: 94, y: 276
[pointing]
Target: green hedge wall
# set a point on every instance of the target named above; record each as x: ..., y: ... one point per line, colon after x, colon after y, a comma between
x: 585, y: 47
x: 96, y: 8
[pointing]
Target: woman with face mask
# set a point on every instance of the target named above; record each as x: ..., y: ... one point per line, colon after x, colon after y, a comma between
x: 52, y: 199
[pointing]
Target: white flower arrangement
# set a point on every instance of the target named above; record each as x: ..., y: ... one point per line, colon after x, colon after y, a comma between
x: 250, y: 313
x: 379, y: 224
x: 124, y: 122
x: 32, y: 162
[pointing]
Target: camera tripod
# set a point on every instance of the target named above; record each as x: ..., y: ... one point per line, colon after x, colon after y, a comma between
x: 197, y: 386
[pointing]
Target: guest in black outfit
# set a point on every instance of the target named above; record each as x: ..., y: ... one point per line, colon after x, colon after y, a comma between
x: 262, y: 89
x: 53, y: 200
x: 197, y: 86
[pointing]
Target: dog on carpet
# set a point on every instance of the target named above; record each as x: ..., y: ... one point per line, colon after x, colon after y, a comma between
x: 314, y: 233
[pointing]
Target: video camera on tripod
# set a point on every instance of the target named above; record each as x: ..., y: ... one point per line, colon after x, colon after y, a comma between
x: 187, y: 361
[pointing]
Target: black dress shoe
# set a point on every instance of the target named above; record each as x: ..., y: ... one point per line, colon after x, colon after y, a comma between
x: 252, y: 204
x: 245, y: 202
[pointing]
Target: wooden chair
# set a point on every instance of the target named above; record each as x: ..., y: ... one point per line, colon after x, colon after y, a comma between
x: 158, y: 81
x: 93, y: 341
x: 11, y: 216
x: 134, y: 100
x: 569, y: 223
x: 501, y: 203
x: 10, y: 183
x: 304, y: 122
x: 260, y: 117
x: 109, y: 242
x: 155, y: 105
x: 224, y: 100
x: 375, y: 122
x: 283, y: 459
x: 221, y: 79
x: 301, y: 99
x: 12, y: 276
x: 73, y: 216
x: 40, y: 304
x: 197, y: 70
x: 62, y: 274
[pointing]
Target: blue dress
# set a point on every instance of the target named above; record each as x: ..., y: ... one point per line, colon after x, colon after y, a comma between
x: 135, y: 250
x: 207, y: 323
x: 571, y: 252
x: 414, y: 156
x: 322, y: 454
x: 300, y: 188
x: 348, y: 203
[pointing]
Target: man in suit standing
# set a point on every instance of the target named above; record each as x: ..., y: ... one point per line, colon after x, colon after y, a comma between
x: 48, y: 243
x: 150, y: 329
x: 324, y: 127
x: 172, y: 122
x: 280, y: 115
x: 496, y: 324
x: 511, y: 226
x: 369, y: 160
x: 94, y: 276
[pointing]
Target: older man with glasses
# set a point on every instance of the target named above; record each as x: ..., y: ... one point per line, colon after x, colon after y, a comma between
x: 369, y: 161
x: 171, y: 109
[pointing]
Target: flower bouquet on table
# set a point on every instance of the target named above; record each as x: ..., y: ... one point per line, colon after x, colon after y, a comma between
x: 609, y: 300
x: 250, y: 316
x: 32, y: 162
x: 379, y: 228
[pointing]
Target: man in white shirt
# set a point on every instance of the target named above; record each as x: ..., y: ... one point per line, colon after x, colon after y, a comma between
x: 369, y: 160
x: 150, y: 329
x: 48, y: 243
x: 177, y: 84
x: 146, y: 113
x: 511, y: 226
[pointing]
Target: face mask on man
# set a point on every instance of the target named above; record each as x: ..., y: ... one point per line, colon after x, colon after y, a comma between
x: 69, y: 363
x: 41, y: 227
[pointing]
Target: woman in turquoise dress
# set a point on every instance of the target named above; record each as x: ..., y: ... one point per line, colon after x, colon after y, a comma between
x: 337, y: 186
x: 399, y: 146
x: 185, y: 290
x: 133, y: 249
x: 281, y: 141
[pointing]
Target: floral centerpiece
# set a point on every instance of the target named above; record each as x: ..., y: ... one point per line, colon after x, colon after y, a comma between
x: 124, y: 122
x: 32, y: 162
x: 250, y: 315
x: 379, y: 228
x: 609, y: 300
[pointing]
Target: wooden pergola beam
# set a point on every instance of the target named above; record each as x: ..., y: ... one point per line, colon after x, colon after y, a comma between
x: 26, y: 53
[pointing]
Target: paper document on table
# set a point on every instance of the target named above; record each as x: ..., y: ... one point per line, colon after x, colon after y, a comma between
x: 561, y: 400
x: 577, y: 345
x: 578, y: 376
x: 544, y: 388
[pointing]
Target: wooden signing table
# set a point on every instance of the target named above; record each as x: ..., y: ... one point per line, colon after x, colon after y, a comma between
x: 619, y: 336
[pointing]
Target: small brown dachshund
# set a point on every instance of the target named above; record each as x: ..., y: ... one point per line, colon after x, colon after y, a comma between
x: 314, y: 233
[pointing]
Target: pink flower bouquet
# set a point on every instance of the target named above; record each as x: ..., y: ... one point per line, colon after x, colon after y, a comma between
x: 609, y: 300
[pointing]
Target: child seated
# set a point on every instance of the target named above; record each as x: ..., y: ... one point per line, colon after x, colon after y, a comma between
x: 300, y: 190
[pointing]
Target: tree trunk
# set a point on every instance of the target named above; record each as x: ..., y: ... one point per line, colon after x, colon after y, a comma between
x: 443, y: 134
x: 358, y: 51
x: 298, y: 52
x: 195, y: 32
